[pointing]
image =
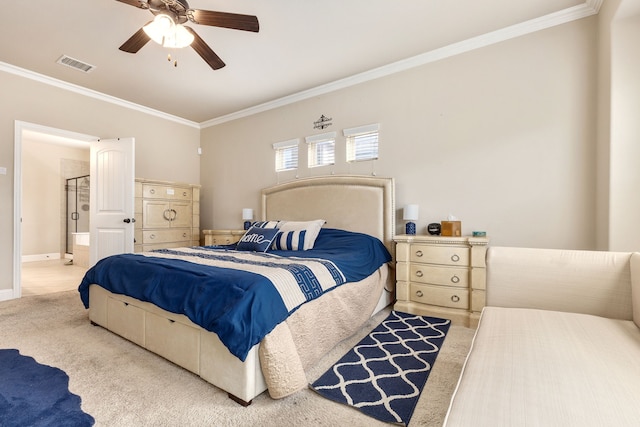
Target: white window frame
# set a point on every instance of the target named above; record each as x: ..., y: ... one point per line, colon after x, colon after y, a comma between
x: 283, y: 150
x: 321, y: 149
x: 363, y: 142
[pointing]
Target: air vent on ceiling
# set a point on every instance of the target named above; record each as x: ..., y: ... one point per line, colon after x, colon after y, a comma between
x: 76, y: 64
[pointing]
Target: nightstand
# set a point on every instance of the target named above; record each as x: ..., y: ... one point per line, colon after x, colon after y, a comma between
x: 222, y: 237
x: 441, y: 276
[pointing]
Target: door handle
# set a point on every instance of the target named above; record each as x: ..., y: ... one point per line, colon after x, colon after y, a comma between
x: 128, y: 220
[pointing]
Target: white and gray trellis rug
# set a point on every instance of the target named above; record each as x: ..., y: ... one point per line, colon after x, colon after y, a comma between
x: 384, y: 374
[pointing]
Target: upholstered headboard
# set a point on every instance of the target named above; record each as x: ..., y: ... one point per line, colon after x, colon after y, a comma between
x: 363, y: 204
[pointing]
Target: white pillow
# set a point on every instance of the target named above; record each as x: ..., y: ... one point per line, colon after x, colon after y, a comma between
x: 297, y: 235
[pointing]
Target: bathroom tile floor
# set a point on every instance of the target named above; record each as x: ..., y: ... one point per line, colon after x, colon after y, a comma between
x: 44, y: 277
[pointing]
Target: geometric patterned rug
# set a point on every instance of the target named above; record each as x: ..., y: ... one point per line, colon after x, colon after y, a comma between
x: 384, y: 374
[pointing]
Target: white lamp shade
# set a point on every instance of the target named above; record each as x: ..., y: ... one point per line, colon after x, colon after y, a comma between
x: 179, y: 38
x: 160, y: 26
x: 410, y: 213
x: 164, y: 31
x: 247, y: 213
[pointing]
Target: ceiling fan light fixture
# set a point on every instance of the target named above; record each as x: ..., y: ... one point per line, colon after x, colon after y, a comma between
x: 178, y: 38
x: 158, y: 29
x: 164, y: 31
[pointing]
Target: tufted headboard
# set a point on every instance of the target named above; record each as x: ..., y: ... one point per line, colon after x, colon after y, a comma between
x: 364, y: 204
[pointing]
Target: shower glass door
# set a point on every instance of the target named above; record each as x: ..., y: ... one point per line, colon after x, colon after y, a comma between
x: 77, y: 190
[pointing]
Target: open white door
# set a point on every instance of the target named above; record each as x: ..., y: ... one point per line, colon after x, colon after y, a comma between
x: 112, y: 198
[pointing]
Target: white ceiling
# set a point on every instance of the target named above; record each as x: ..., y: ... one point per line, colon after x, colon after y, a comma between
x: 302, y: 46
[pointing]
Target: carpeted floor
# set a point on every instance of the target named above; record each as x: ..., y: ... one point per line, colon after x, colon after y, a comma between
x: 122, y: 384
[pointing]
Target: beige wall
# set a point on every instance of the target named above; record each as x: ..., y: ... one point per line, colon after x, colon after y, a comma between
x: 165, y: 149
x: 43, y: 196
x: 625, y: 135
x: 502, y: 137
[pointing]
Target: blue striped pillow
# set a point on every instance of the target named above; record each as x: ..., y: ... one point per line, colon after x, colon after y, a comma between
x: 297, y: 235
x: 266, y: 224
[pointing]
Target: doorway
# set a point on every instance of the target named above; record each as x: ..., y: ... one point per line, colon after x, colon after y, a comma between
x: 78, y: 202
x: 41, y: 241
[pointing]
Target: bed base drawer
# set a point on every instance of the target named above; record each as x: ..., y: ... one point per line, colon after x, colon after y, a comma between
x: 173, y: 340
x: 126, y: 320
x: 180, y: 341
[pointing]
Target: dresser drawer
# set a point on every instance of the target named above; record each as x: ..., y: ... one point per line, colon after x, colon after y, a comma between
x: 447, y: 276
x: 170, y: 245
x: 439, y: 255
x: 166, y: 236
x: 167, y: 192
x: 440, y: 295
x: 223, y: 239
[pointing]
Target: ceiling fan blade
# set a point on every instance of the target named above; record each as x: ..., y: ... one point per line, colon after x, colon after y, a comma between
x: 135, y: 42
x: 234, y: 21
x: 142, y: 4
x: 205, y: 51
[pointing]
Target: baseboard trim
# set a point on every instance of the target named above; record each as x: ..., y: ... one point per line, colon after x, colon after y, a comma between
x: 40, y: 257
x: 6, y: 294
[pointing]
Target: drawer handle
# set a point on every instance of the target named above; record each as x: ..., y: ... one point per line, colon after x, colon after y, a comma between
x: 455, y: 298
x: 152, y: 191
x: 171, y: 321
x: 419, y: 273
x: 455, y: 258
x: 455, y: 279
x: 153, y: 236
x: 419, y: 293
x: 184, y: 193
x: 184, y: 234
x: 167, y: 214
x: 418, y: 253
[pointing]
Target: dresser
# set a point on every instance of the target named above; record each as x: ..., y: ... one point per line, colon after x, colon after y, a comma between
x: 167, y: 215
x: 441, y: 276
x: 222, y: 237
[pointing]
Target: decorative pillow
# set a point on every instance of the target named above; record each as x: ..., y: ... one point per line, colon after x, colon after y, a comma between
x: 297, y: 235
x: 257, y: 239
x: 266, y: 224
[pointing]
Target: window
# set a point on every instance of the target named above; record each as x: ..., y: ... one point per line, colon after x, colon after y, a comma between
x: 362, y: 143
x: 286, y: 155
x: 321, y: 149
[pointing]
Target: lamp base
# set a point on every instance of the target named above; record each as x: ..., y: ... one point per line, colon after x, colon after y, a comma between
x: 410, y: 228
x: 247, y: 225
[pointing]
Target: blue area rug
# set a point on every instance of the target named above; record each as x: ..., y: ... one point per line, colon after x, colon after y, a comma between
x: 32, y: 394
x: 383, y: 375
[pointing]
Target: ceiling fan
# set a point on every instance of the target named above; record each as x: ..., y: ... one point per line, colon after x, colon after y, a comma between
x: 167, y: 29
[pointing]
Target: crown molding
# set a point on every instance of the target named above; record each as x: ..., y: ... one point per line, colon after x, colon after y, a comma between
x: 12, y: 69
x: 589, y: 8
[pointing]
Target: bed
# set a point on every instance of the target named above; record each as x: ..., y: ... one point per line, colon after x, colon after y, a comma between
x: 351, y: 207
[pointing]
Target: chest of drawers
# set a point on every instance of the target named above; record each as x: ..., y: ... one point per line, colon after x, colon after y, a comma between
x: 441, y: 276
x: 167, y: 215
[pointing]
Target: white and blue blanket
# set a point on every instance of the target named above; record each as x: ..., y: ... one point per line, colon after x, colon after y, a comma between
x: 241, y: 296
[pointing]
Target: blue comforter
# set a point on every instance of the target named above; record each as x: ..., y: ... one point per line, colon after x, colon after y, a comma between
x: 237, y: 299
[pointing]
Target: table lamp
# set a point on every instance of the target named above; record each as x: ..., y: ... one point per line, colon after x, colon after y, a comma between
x: 247, y: 215
x: 410, y: 214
